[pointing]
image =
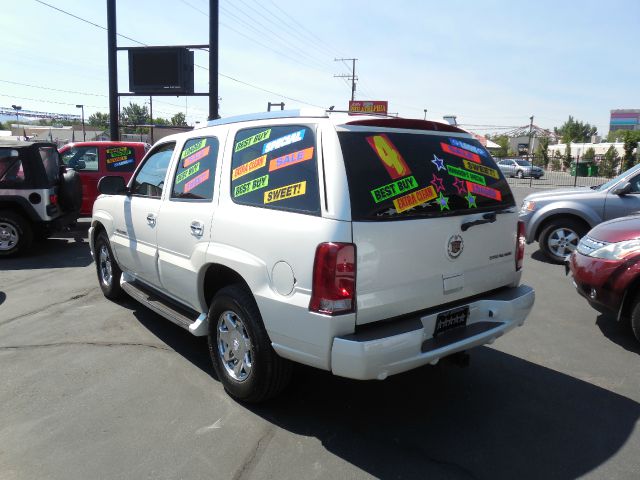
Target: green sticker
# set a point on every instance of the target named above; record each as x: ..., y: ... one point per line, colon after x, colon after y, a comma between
x: 394, y: 189
x: 247, y: 142
x: 193, y: 148
x: 251, y: 185
x: 192, y: 170
x: 466, y: 175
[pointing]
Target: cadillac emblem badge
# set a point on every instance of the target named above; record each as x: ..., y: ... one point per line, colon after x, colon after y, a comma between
x: 455, y: 245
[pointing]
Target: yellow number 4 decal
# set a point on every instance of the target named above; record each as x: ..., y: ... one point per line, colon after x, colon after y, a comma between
x: 390, y: 156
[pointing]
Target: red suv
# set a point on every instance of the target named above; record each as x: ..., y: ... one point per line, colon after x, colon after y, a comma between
x: 94, y: 160
x: 606, y: 268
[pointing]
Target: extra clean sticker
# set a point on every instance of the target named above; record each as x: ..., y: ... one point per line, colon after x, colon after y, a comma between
x: 458, y: 152
x: 291, y: 159
x: 283, y: 141
x: 474, y: 167
x: 190, y: 160
x: 193, y: 148
x: 288, y: 191
x: 250, y: 186
x: 465, y: 175
x: 192, y: 170
x: 257, y: 138
x: 394, y: 189
x: 414, y: 199
x: 484, y: 191
x: 390, y: 156
x: 467, y: 146
x: 195, y: 181
x: 249, y: 167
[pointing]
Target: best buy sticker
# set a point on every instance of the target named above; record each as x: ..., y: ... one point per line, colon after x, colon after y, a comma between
x: 394, y: 189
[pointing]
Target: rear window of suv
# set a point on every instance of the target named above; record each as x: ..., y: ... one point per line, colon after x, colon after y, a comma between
x: 395, y: 175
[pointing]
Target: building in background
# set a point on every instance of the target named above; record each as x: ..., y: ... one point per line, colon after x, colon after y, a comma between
x: 628, y: 119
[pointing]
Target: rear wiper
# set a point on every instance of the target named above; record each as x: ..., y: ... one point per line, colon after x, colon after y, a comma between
x: 489, y: 217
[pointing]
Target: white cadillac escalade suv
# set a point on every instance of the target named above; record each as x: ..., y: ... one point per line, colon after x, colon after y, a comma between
x: 362, y: 245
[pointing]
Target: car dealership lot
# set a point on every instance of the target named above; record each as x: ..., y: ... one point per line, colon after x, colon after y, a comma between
x: 94, y: 389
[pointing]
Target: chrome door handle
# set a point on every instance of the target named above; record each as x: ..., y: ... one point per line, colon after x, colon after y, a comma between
x: 151, y: 219
x: 197, y: 228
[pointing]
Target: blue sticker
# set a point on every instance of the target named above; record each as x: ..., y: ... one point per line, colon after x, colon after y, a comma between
x: 283, y: 141
x: 467, y: 146
x: 120, y: 164
x: 438, y: 162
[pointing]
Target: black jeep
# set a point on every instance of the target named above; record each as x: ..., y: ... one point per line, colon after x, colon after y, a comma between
x: 38, y: 195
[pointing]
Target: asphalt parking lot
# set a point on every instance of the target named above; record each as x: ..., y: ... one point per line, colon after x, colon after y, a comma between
x: 94, y: 389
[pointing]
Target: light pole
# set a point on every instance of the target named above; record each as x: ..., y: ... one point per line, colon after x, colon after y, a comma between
x: 84, y: 135
x: 17, y: 108
x: 425, y: 113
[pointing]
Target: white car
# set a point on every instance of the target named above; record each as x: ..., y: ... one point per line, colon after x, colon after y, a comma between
x: 362, y: 245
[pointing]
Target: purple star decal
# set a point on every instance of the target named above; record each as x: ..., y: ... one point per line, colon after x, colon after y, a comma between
x: 459, y: 184
x: 437, y: 183
x: 438, y: 162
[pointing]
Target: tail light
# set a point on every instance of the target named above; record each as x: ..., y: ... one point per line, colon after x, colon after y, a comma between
x: 53, y: 199
x: 520, y: 242
x: 334, y: 279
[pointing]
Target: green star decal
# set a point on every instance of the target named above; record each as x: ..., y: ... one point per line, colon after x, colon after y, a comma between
x: 471, y: 200
x: 443, y: 202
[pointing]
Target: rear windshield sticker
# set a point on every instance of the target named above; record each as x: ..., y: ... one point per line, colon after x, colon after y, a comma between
x: 192, y: 170
x: 291, y: 159
x: 465, y: 175
x: 471, y: 200
x: 474, y: 167
x: 117, y: 152
x: 194, y: 148
x: 438, y: 162
x: 414, y: 199
x: 251, y: 185
x: 467, y: 146
x: 249, y: 167
x: 460, y: 186
x: 394, y: 189
x: 460, y: 153
x: 126, y: 161
x: 437, y: 183
x: 195, y: 181
x: 283, y: 141
x: 484, y: 191
x: 288, y: 191
x: 443, y: 202
x: 257, y: 138
x: 117, y: 159
x: 390, y: 156
x: 190, y: 160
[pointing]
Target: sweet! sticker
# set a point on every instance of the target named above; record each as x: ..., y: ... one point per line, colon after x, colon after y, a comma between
x: 474, y: 167
x: 394, y: 189
x: 283, y: 141
x: 467, y: 146
x: 465, y: 175
x: 414, y: 199
x: 257, y: 138
x: 195, y: 181
x: 251, y: 185
x: 484, y: 191
x: 390, y: 156
x: 192, y: 170
x: 458, y: 152
x: 249, y: 167
x: 193, y: 148
x: 291, y: 159
x: 190, y: 160
x: 288, y: 191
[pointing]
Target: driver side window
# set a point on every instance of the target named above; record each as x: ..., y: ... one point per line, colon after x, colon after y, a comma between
x: 635, y: 184
x: 149, y: 181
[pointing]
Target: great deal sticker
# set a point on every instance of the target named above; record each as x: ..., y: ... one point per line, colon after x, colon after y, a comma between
x: 283, y: 141
x: 484, y: 191
x: 390, y: 156
x: 394, y: 189
x: 465, y: 175
x: 414, y: 199
x: 474, y: 167
x: 288, y: 191
x: 458, y: 152
x: 291, y: 159
x: 257, y: 138
x: 250, y: 186
x: 249, y: 167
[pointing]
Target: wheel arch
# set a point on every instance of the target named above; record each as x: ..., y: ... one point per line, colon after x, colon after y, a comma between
x: 216, y: 276
x: 558, y: 215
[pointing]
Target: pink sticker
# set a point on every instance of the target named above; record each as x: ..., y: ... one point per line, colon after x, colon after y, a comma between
x: 195, y: 157
x: 195, y: 181
x: 484, y: 191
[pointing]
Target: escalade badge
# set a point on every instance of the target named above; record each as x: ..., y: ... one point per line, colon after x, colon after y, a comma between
x: 455, y: 246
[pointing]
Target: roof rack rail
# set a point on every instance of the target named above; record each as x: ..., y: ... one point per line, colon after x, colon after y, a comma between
x: 302, y: 112
x: 367, y: 114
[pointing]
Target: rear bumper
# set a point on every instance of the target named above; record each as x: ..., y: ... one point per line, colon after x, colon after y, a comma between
x: 396, y: 347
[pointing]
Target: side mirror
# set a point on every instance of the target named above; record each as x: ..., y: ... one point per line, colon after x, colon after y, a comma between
x: 112, y: 185
x: 622, y: 189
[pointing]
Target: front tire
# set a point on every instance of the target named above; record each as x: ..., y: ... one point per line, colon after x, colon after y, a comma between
x: 16, y: 234
x: 243, y: 359
x: 520, y: 174
x: 560, y: 238
x: 109, y: 272
x: 635, y: 318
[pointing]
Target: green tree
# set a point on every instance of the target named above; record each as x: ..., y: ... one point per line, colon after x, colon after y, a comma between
x: 161, y: 122
x: 179, y: 120
x: 630, y: 139
x: 590, y: 154
x: 575, y: 131
x: 566, y: 158
x: 542, y: 151
x: 556, y: 162
x: 99, y: 119
x: 134, y: 114
x: 501, y: 140
x: 609, y: 164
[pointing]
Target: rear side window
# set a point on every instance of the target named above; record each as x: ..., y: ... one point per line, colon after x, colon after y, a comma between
x: 51, y: 161
x: 81, y: 158
x: 11, y: 170
x: 276, y: 167
x: 402, y: 175
x: 196, y: 169
x: 120, y: 159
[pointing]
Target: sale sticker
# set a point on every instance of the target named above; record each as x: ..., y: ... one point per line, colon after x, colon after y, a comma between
x: 190, y: 160
x: 257, y: 138
x: 288, y: 191
x: 484, y: 191
x: 390, y: 156
x: 465, y: 175
x: 192, y: 170
x: 458, y: 152
x: 468, y: 146
x: 414, y: 199
x: 283, y: 141
x: 193, y: 148
x: 251, y: 185
x: 195, y: 181
x: 474, y: 167
x: 249, y: 167
x: 291, y: 159
x: 394, y: 189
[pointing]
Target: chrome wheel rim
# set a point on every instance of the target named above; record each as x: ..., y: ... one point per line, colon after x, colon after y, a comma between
x: 9, y: 236
x: 234, y: 346
x: 562, y: 242
x: 104, y: 266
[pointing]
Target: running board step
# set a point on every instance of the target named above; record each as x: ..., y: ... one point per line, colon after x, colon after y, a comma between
x: 194, y: 322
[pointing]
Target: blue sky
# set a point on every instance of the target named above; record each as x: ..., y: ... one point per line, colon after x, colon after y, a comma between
x: 488, y: 62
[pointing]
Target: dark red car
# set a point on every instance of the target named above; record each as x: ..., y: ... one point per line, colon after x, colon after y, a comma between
x: 606, y: 268
x: 94, y: 160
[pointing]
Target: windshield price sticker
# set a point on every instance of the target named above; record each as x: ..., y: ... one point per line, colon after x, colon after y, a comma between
x: 458, y: 152
x: 465, y: 175
x: 257, y: 138
x: 414, y: 199
x: 192, y: 170
x: 390, y: 156
x: 291, y: 159
x: 484, y: 191
x: 190, y: 160
x: 194, y: 148
x: 118, y: 151
x: 474, y: 167
x: 467, y: 146
x: 251, y: 185
x: 394, y: 189
x: 195, y: 181
x: 249, y: 167
x: 117, y: 159
x: 288, y: 191
x: 283, y: 141
x: 127, y: 161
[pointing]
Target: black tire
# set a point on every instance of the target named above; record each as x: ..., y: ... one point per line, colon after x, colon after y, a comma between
x: 70, y: 191
x: 635, y: 318
x: 561, y: 235
x: 520, y: 174
x: 16, y: 233
x: 107, y: 268
x: 261, y: 372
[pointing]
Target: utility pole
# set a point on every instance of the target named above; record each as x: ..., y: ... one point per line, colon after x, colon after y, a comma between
x: 112, y: 46
x: 531, y: 149
x: 352, y: 76
x: 213, y: 60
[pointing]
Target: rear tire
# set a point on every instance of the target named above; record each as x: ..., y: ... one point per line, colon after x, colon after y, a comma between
x: 16, y: 234
x: 635, y: 318
x: 560, y: 237
x: 107, y: 268
x: 520, y: 174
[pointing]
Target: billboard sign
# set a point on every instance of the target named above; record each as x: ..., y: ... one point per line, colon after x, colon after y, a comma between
x: 368, y: 106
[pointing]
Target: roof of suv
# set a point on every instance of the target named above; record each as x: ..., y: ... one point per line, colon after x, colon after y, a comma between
x: 21, y: 143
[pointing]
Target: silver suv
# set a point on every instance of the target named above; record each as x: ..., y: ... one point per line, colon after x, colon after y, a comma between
x: 365, y: 246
